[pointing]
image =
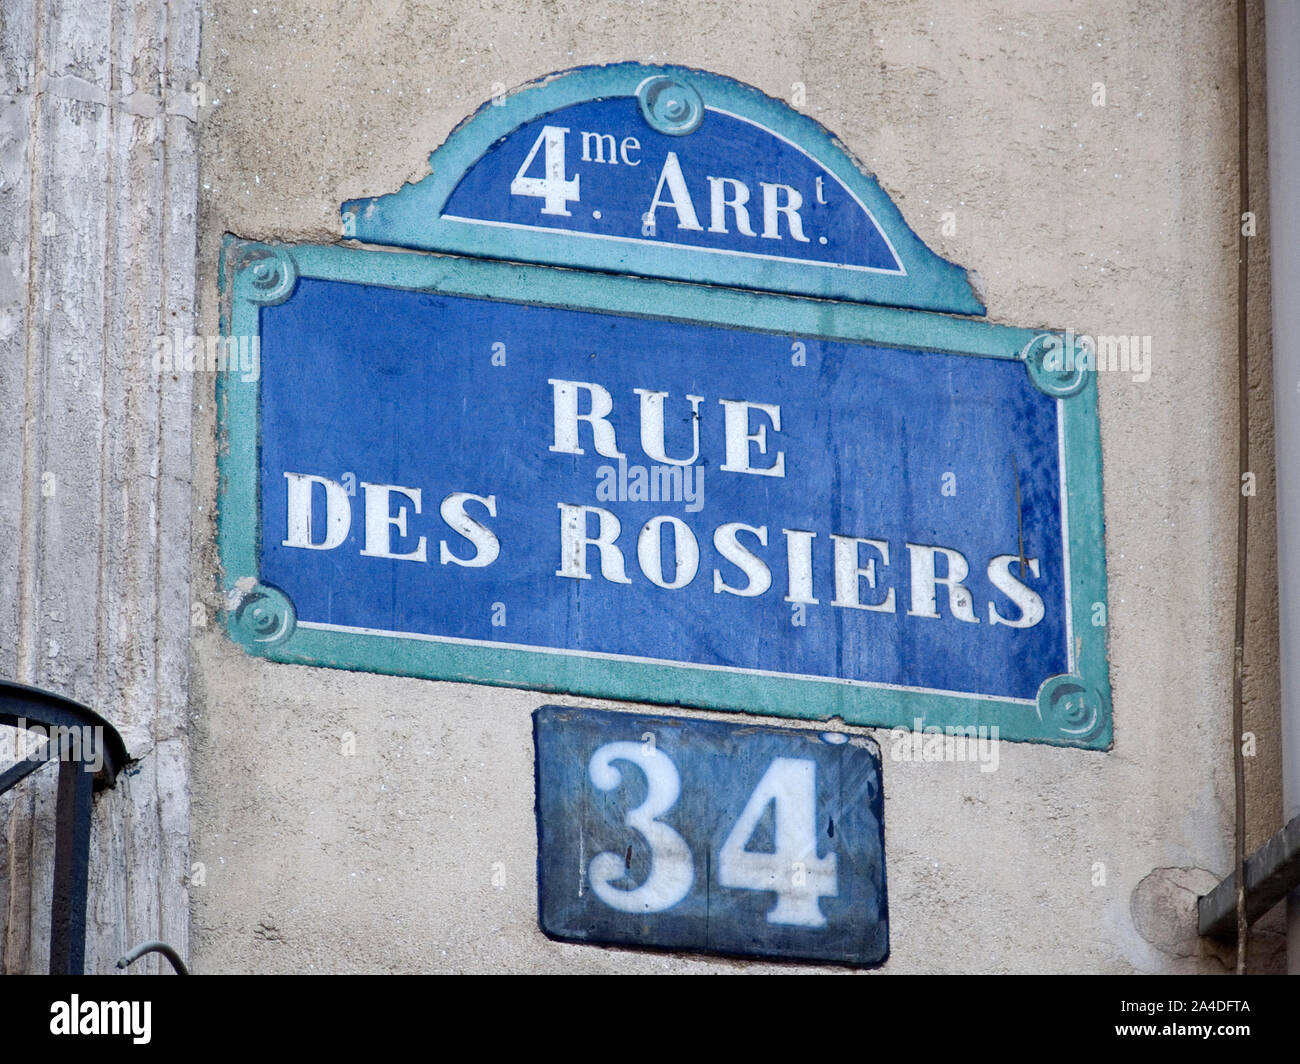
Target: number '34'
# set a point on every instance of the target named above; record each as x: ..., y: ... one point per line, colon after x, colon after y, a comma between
x: 792, y: 870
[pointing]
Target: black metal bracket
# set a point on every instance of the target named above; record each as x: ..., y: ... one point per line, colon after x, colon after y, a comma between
x: 1272, y: 872
x: 90, y: 754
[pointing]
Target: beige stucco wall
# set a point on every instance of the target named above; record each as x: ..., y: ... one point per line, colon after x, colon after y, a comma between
x: 1114, y: 219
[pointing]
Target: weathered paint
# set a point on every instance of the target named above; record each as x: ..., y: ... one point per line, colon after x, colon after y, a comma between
x: 369, y: 402
x: 722, y: 838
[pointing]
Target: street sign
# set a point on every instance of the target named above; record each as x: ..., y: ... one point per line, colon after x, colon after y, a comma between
x: 697, y: 835
x: 676, y: 493
x: 665, y: 172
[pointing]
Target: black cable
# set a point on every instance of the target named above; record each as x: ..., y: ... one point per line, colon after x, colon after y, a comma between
x: 1243, y: 460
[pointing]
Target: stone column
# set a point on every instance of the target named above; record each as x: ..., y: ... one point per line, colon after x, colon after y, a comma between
x: 98, y: 186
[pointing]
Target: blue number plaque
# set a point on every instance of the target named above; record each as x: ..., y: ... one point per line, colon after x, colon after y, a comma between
x: 679, y: 834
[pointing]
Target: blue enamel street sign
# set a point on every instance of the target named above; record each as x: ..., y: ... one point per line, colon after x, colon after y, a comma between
x: 665, y: 172
x: 722, y: 838
x: 616, y: 485
x: 621, y: 190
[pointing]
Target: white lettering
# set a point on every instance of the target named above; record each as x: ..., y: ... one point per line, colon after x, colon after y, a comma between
x: 728, y: 545
x: 739, y: 437
x: 848, y: 574
x: 1024, y: 597
x: 380, y: 522
x: 773, y: 209
x: 671, y: 175
x: 799, y: 566
x: 652, y: 426
x: 719, y: 202
x: 925, y: 582
x: 574, y: 542
x: 567, y: 418
x: 686, y: 552
x: 486, y: 545
x: 338, y: 512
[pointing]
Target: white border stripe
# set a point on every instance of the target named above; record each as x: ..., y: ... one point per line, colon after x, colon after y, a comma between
x: 565, y: 652
x: 666, y: 244
x: 902, y: 270
x: 1065, y: 533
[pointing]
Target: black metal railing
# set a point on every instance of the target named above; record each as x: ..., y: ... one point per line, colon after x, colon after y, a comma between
x: 90, y: 754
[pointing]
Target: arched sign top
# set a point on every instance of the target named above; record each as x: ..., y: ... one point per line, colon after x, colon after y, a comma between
x: 665, y: 172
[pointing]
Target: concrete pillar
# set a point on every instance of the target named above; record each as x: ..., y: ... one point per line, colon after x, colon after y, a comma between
x: 98, y: 184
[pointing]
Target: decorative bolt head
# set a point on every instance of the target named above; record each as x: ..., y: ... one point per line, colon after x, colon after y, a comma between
x: 670, y: 106
x: 272, y: 274
x: 264, y: 274
x: 265, y: 616
x: 1055, y: 369
x: 1074, y: 710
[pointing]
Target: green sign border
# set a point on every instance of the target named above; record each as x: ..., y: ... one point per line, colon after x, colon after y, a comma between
x: 1070, y: 710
